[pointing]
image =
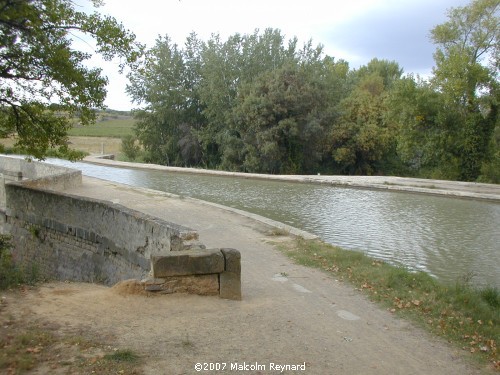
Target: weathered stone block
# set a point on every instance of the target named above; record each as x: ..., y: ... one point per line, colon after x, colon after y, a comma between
x: 188, y: 262
x: 230, y: 285
x: 230, y: 279
x: 232, y: 260
x: 205, y: 285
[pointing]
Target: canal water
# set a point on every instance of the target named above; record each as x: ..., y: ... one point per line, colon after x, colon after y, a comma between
x: 449, y: 238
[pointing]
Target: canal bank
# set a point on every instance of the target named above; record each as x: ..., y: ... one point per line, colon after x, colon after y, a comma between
x: 457, y: 189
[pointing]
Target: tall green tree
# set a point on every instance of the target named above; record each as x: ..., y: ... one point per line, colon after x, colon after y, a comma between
x: 44, y: 82
x: 427, y: 135
x: 363, y: 138
x: 166, y: 87
x: 227, y: 66
x: 281, y: 115
x: 466, y: 73
x: 279, y: 123
x: 218, y: 88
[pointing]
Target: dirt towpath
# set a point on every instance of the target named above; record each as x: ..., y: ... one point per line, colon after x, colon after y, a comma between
x: 289, y: 315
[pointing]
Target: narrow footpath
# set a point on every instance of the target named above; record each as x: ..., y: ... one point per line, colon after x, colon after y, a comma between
x: 289, y: 315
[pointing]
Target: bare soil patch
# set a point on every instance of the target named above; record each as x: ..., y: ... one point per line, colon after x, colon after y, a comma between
x: 75, y: 327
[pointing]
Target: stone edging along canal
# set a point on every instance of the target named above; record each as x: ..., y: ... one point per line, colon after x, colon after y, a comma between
x: 456, y: 189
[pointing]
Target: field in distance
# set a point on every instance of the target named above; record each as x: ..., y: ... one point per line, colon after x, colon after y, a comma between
x: 104, y: 137
x: 110, y: 123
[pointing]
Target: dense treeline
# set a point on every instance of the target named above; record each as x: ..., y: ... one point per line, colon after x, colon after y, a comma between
x: 260, y: 103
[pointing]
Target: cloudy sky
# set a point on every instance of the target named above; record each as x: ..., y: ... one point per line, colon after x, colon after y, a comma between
x: 354, y: 30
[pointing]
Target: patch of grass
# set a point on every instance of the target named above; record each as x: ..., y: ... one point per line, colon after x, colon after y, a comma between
x: 491, y: 296
x: 30, y: 348
x: 278, y: 231
x: 465, y: 316
x: 115, y: 128
x: 125, y: 355
x: 21, y: 352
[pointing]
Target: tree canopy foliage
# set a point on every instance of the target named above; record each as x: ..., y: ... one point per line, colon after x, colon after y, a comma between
x: 260, y: 103
x: 44, y: 81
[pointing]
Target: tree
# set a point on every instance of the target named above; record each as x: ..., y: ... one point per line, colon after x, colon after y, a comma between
x: 280, y: 121
x: 447, y: 124
x: 167, y: 84
x: 44, y: 83
x: 190, y: 94
x: 362, y: 138
x: 466, y: 73
x: 428, y: 136
x: 228, y: 66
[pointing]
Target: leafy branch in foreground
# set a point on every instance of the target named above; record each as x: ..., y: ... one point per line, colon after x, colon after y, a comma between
x: 44, y: 82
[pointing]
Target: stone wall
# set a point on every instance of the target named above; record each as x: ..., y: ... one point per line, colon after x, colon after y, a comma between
x: 77, y: 238
x: 70, y: 237
x: 36, y: 174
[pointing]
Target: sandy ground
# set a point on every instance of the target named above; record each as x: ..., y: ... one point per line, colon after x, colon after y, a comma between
x: 289, y: 315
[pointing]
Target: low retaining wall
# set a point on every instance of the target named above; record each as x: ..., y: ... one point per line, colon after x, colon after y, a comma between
x: 77, y: 238
x: 70, y: 237
x: 83, y: 239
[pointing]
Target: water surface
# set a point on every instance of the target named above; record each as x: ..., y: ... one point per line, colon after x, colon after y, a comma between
x: 447, y: 237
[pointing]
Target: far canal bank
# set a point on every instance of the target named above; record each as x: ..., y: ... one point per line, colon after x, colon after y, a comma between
x: 457, y: 189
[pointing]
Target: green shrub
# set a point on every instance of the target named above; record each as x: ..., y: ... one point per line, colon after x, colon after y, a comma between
x: 130, y: 148
x: 10, y: 273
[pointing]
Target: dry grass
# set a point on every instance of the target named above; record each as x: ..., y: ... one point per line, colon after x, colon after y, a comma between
x: 43, y: 348
x: 96, y: 145
x: 90, y: 145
